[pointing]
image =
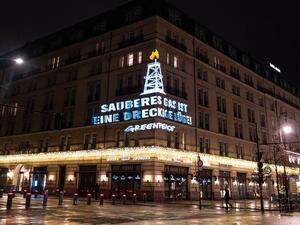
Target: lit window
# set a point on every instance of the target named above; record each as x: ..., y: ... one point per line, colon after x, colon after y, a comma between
x: 140, y: 57
x: 121, y: 62
x: 168, y: 58
x: 130, y: 59
x: 175, y: 61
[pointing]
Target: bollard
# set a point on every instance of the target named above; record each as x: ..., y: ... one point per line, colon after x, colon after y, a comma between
x: 101, y: 199
x: 27, y: 202
x: 75, y: 199
x: 88, y: 199
x: 35, y: 193
x: 123, y: 199
x: 113, y: 199
x: 45, y: 198
x: 14, y: 193
x: 134, y: 198
x: 60, y: 198
x: 145, y: 197
x: 1, y: 193
x: 9, y: 201
x: 24, y: 193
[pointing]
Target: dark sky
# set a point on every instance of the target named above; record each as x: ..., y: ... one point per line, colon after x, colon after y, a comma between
x: 269, y: 30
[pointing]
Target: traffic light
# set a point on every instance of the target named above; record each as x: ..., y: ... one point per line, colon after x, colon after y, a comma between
x: 59, y: 121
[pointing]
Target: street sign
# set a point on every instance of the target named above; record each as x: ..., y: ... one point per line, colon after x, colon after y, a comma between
x: 200, y: 163
x: 267, y: 170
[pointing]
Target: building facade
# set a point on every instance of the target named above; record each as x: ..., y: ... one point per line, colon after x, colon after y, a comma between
x: 65, y: 123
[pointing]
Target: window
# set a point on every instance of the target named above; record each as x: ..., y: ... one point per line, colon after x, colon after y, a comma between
x: 54, y: 62
x: 168, y: 58
x: 130, y: 59
x: 65, y: 143
x: 239, y: 151
x: 43, y: 145
x: 203, y: 97
x: 221, y: 104
x: 248, y: 80
x: 222, y: 125
x: 220, y: 83
x: 68, y: 118
x: 251, y: 116
x: 236, y: 90
x: 272, y: 105
x: 140, y: 57
x: 121, y: 61
x: 261, y: 101
x: 90, y: 141
x: 235, y: 72
x: 48, y: 102
x: 183, y: 65
x: 237, y: 110
x: 223, y: 147
x: 93, y: 91
x: 264, y: 138
x: 70, y: 96
x: 262, y: 120
x: 204, y: 120
x: 252, y: 134
x: 238, y: 130
x: 249, y: 96
x: 202, y: 75
x: 175, y: 62
x: 204, y: 145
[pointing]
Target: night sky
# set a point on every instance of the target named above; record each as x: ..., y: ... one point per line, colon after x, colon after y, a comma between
x: 269, y: 30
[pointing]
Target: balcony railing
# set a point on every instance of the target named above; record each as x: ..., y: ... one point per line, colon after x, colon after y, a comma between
x: 202, y: 57
x: 176, y: 43
x: 131, y: 41
x: 128, y: 91
x: 176, y: 92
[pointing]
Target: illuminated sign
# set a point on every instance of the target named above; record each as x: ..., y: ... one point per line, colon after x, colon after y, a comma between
x: 153, y: 103
x: 275, y: 67
x: 150, y: 126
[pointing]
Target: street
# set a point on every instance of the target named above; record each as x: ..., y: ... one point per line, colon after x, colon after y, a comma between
x: 148, y: 213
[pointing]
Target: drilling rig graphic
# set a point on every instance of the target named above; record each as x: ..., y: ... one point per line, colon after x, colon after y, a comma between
x: 154, y: 77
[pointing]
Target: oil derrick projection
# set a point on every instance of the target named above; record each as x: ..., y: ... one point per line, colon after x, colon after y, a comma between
x: 154, y: 77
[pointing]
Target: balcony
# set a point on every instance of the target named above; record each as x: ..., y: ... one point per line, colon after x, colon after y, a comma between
x: 127, y: 91
x: 72, y: 60
x: 131, y: 41
x: 95, y: 53
x: 176, y: 92
x: 176, y: 44
x: 202, y: 57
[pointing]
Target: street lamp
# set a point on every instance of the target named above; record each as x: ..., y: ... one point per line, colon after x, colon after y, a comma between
x: 17, y: 60
x: 287, y: 129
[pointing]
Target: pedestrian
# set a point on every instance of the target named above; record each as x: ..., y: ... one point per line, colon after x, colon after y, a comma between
x: 97, y: 188
x: 226, y: 198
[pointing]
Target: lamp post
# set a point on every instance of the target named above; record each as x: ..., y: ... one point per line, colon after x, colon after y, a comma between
x: 260, y: 171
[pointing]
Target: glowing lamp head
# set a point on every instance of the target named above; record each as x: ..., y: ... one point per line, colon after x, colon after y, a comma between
x: 19, y: 61
x: 287, y: 129
x: 154, y: 55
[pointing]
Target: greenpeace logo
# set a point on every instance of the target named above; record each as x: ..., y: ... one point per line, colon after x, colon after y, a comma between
x: 150, y: 126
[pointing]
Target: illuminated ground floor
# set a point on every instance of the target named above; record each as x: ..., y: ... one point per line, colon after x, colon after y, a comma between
x: 154, y: 173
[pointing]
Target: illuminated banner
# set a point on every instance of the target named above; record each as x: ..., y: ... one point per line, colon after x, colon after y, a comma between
x: 143, y: 108
x: 153, y: 103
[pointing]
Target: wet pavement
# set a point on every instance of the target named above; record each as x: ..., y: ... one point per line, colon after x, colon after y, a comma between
x: 148, y: 213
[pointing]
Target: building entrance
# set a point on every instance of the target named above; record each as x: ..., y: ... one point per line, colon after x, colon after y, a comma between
x: 38, y: 181
x: 206, y: 183
x: 176, y: 182
x: 87, y: 179
x: 126, y: 179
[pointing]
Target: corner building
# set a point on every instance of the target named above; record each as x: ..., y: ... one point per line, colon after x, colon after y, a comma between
x: 48, y: 139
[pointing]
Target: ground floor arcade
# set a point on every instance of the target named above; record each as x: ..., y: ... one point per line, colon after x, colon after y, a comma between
x: 157, y: 173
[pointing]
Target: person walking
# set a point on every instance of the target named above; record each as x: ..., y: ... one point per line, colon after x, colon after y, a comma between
x: 97, y: 188
x: 227, y: 198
